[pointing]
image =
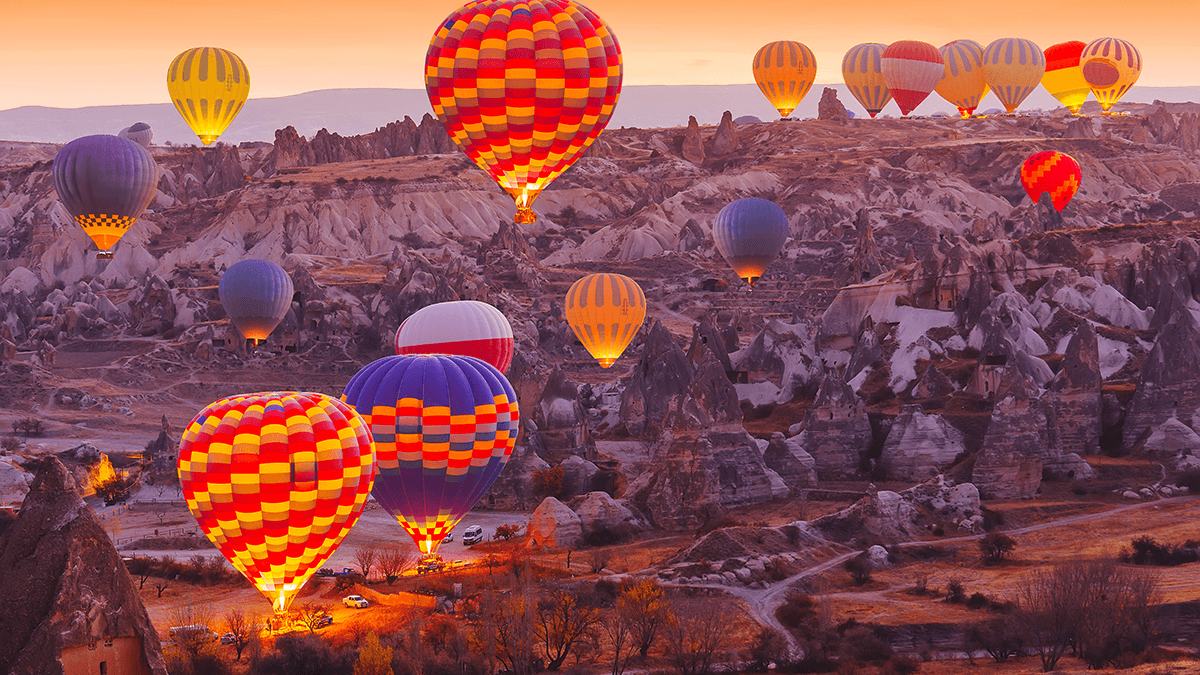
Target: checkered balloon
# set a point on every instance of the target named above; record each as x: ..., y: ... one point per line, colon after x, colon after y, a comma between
x: 444, y: 427
x: 276, y: 481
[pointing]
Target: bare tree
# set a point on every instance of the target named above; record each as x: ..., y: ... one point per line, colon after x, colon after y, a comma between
x: 598, y: 560
x: 243, y: 627
x: 562, y: 620
x: 309, y: 615
x: 366, y: 557
x: 160, y: 512
x: 394, y: 559
x: 513, y: 615
x: 644, y: 608
x: 697, y: 636
x: 618, y: 629
x: 1114, y: 609
x: 1048, y: 613
x: 194, y: 636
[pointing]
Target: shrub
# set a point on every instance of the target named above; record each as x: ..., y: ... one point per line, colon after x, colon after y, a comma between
x: 900, y: 665
x: 10, y: 444
x: 793, y: 612
x: 977, y: 601
x: 1147, y: 551
x: 996, y: 546
x: 508, y: 531
x: 859, y: 568
x: 956, y: 593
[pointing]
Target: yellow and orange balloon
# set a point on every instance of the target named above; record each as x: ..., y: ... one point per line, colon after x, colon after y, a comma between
x: 208, y: 86
x: 1013, y: 68
x: 605, y: 311
x: 524, y: 87
x: 785, y: 71
x: 276, y: 481
x: 1111, y: 67
x: 963, y: 83
x: 1064, y: 75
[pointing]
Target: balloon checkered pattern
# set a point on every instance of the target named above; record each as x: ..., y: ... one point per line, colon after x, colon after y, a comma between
x: 524, y: 87
x: 444, y: 427
x: 276, y: 481
x: 1054, y: 172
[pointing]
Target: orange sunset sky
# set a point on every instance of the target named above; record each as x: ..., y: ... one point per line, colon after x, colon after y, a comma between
x: 72, y: 53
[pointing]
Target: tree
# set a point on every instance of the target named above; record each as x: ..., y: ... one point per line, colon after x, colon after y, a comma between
x: 618, y: 629
x: 160, y: 512
x: 243, y: 627
x: 996, y: 547
x: 768, y: 648
x: 114, y: 489
x: 373, y: 658
x: 549, y: 482
x: 310, y: 615
x: 598, y: 560
x: 190, y: 644
x: 511, y: 616
x: 394, y: 559
x: 440, y: 633
x: 562, y: 620
x: 1002, y: 638
x: 366, y: 557
x: 695, y: 636
x: 643, y: 606
x: 508, y: 531
x: 859, y: 568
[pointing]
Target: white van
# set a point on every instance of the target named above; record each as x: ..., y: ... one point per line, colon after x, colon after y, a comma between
x: 472, y: 535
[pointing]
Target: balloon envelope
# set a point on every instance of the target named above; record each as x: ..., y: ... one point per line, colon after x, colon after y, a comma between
x: 139, y: 133
x: 1054, y: 172
x: 605, y: 311
x: 962, y: 82
x: 1013, y: 68
x: 862, y: 70
x: 105, y: 182
x: 208, y: 86
x: 444, y: 427
x: 911, y: 70
x: 1064, y: 75
x: 463, y: 327
x: 784, y: 72
x: 276, y: 481
x: 1111, y: 67
x: 256, y: 294
x: 749, y: 233
x: 524, y: 87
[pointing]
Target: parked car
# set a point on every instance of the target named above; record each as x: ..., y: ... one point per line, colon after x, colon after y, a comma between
x: 228, y: 639
x: 325, y: 619
x: 448, y: 538
x: 355, y: 602
x: 472, y: 535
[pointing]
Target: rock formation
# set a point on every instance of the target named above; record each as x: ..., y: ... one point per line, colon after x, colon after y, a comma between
x: 836, y: 430
x: 1169, y: 383
x: 66, y: 599
x: 919, y: 445
x: 1010, y: 462
x: 693, y: 143
x: 788, y: 458
x: 598, y: 513
x: 554, y: 525
x: 561, y: 420
x: 830, y: 108
x: 724, y: 141
x: 1075, y: 393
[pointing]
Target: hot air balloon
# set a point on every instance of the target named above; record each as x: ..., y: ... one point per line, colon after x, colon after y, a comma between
x: 1013, y: 68
x: 276, y: 481
x: 1111, y: 67
x: 605, y: 311
x: 209, y: 86
x: 749, y: 233
x: 105, y: 182
x: 862, y: 70
x: 463, y: 327
x: 524, y: 87
x: 139, y: 133
x: 785, y: 72
x: 444, y: 428
x: 1053, y: 172
x: 962, y: 81
x: 911, y: 70
x: 256, y: 295
x: 1064, y: 75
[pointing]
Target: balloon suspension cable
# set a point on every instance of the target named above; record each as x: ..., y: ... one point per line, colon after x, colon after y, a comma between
x: 606, y: 362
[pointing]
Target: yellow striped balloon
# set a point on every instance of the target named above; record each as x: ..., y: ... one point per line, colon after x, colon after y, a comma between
x: 785, y: 71
x: 1064, y: 75
x: 862, y: 70
x: 1013, y: 68
x: 1111, y: 67
x: 208, y: 86
x: 963, y: 83
x: 605, y: 311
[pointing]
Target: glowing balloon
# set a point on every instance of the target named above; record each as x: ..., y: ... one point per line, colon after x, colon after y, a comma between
x: 256, y: 294
x: 444, y: 428
x: 862, y: 70
x: 276, y: 481
x: 1111, y: 67
x: 1013, y: 68
x: 209, y: 86
x: 911, y: 70
x: 1064, y: 75
x: 139, y: 133
x: 749, y: 233
x: 962, y: 81
x: 463, y: 327
x: 1053, y: 172
x: 105, y: 182
x: 524, y: 87
x: 785, y: 72
x: 605, y: 311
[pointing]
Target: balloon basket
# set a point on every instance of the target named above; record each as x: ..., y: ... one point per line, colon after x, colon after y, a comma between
x: 104, y: 255
x: 525, y: 216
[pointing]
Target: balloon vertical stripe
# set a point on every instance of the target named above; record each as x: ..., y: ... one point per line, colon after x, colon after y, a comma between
x: 862, y: 70
x: 784, y: 72
x: 963, y: 83
x: 1110, y: 67
x: 1013, y: 68
x: 605, y: 322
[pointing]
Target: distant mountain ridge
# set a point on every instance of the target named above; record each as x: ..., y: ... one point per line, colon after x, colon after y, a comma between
x: 358, y: 111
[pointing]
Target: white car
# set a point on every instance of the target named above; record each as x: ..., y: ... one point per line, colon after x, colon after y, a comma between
x: 472, y: 535
x: 355, y: 602
x: 448, y: 538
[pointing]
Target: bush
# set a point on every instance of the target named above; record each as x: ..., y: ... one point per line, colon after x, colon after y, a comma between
x: 1147, y: 551
x: 859, y: 568
x: 996, y: 546
x: 115, y: 489
x: 793, y: 612
x: 303, y: 655
x: 861, y: 643
x: 900, y: 665
x: 508, y: 531
x: 956, y: 593
x: 977, y: 601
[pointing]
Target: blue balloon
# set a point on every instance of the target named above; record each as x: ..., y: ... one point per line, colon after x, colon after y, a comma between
x: 105, y: 183
x: 256, y: 295
x: 750, y: 234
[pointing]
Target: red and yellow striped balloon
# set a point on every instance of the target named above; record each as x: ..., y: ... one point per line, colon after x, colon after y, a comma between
x: 911, y: 69
x: 276, y: 481
x: 1054, y: 172
x: 1111, y: 67
x: 524, y: 87
x: 1064, y: 75
x: 862, y: 71
x: 784, y: 72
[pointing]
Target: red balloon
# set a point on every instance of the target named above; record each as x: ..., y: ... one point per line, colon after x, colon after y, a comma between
x: 463, y: 328
x: 1054, y: 172
x: 912, y: 70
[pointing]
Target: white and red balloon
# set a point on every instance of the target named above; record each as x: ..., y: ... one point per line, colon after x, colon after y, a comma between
x: 462, y: 327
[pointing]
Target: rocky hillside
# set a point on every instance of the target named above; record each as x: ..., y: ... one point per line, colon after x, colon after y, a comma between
x: 925, y: 316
